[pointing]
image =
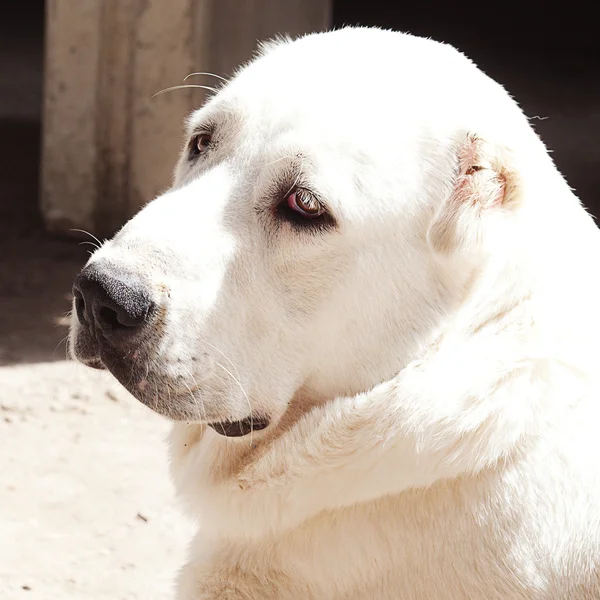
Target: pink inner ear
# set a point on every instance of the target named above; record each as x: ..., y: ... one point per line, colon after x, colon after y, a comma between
x: 480, y: 187
x: 483, y: 188
x: 479, y: 184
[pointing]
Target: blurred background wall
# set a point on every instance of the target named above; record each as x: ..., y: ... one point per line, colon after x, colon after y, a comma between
x: 108, y: 146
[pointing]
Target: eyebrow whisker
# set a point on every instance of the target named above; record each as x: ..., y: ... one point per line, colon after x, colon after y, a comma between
x: 189, y: 85
x: 298, y: 175
x: 205, y: 73
x: 279, y: 159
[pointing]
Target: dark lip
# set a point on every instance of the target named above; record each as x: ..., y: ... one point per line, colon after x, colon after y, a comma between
x: 240, y: 428
x: 94, y: 363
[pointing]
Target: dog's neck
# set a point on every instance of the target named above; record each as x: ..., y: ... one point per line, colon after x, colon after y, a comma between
x: 229, y: 456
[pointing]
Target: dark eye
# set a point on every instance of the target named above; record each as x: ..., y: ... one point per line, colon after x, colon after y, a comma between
x: 304, y: 204
x: 200, y: 143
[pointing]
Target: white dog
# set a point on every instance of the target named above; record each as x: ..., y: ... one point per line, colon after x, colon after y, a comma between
x: 370, y: 304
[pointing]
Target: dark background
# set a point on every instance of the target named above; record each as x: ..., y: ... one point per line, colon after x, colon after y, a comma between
x: 546, y: 55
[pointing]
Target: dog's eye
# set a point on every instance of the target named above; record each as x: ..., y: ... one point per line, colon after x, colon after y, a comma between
x: 200, y: 143
x: 304, y: 204
x: 303, y: 210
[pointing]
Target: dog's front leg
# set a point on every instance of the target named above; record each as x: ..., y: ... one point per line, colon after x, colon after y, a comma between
x: 226, y: 570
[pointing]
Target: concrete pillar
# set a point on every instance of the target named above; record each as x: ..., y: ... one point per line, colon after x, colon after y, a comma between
x: 109, y: 147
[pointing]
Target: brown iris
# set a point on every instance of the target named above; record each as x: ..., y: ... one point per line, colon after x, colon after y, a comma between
x: 200, y: 143
x: 305, y: 204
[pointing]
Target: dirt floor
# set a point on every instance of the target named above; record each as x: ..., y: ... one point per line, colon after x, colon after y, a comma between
x: 87, y: 511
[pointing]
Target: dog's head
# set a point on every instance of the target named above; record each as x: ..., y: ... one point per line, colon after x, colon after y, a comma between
x: 328, y: 209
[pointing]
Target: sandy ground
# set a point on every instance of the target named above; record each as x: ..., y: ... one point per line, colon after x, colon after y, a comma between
x: 87, y: 510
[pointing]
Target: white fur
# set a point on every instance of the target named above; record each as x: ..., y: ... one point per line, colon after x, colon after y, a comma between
x: 428, y: 366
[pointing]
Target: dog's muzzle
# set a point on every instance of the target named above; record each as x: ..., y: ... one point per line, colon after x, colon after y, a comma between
x: 120, y: 329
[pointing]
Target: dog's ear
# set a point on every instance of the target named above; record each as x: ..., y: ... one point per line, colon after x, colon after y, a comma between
x: 485, y: 186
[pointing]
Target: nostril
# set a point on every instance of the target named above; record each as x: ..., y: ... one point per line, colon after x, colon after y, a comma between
x: 109, y: 319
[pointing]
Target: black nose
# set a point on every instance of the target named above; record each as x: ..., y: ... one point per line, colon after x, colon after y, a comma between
x: 110, y: 300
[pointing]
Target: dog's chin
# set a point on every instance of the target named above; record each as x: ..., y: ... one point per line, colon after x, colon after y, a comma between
x: 177, y: 407
x: 83, y: 349
x: 145, y: 388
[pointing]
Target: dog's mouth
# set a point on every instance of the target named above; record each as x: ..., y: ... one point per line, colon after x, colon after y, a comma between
x: 131, y: 369
x: 240, y: 428
x: 139, y: 382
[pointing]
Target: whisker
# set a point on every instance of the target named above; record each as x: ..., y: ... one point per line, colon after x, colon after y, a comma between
x: 206, y: 73
x: 66, y: 315
x: 193, y: 396
x: 132, y: 372
x: 217, y: 349
x: 297, y: 176
x: 180, y: 87
x: 233, y: 378
x: 222, y: 354
x: 88, y: 233
x: 243, y: 392
x: 278, y: 159
x: 61, y: 342
x: 96, y: 246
